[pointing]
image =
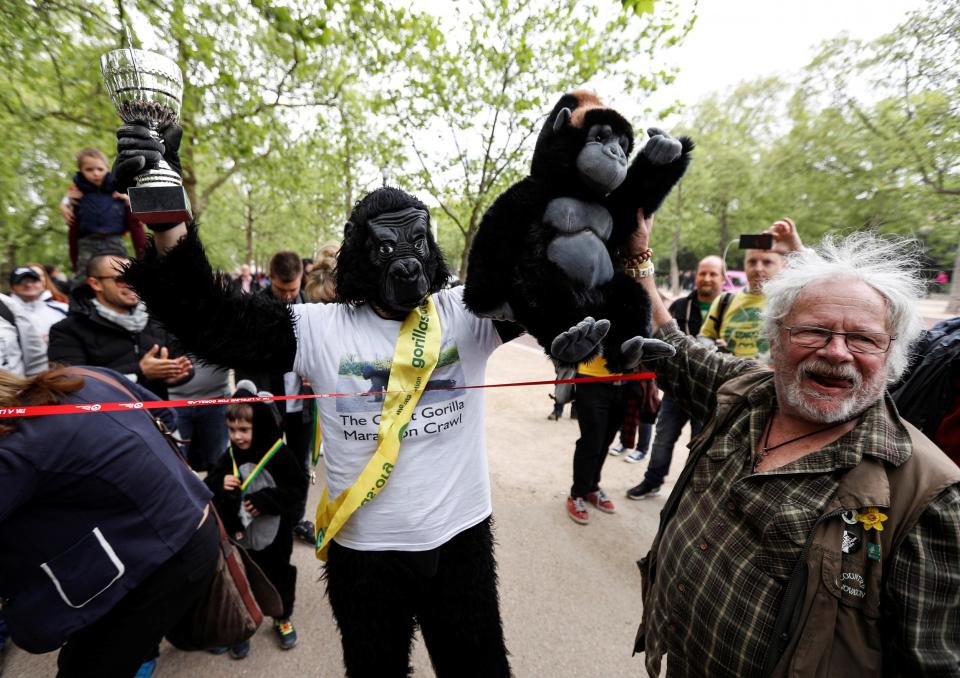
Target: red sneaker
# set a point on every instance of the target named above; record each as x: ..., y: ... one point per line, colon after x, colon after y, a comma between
x: 601, y: 501
x: 577, y: 510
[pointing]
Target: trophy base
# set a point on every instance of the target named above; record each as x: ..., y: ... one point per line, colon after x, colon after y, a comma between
x: 160, y: 204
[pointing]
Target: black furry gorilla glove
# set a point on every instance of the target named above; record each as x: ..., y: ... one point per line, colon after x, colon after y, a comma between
x: 138, y: 150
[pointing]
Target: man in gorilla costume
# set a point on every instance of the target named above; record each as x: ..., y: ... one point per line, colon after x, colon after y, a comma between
x: 420, y: 553
x: 552, y: 249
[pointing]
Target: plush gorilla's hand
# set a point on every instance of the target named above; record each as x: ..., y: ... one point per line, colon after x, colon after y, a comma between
x: 637, y: 349
x: 137, y: 150
x: 579, y: 341
x: 661, y: 149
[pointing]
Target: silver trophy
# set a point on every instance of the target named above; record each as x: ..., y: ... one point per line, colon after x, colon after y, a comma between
x: 146, y: 89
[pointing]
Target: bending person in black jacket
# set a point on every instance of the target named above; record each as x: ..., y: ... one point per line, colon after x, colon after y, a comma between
x: 105, y: 539
x: 420, y: 552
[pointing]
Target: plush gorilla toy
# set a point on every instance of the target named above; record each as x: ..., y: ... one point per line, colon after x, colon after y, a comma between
x: 547, y: 253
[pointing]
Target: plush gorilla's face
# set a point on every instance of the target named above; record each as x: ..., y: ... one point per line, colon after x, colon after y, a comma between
x: 602, y: 162
x: 399, y: 250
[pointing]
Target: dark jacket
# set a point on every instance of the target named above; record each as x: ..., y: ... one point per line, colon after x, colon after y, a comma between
x: 686, y: 311
x: 287, y: 472
x: 98, y: 212
x: 86, y: 338
x: 272, y: 380
x: 90, y: 506
x: 928, y: 391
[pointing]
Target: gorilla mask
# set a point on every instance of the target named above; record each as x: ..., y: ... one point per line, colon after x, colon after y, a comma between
x: 389, y: 256
x: 399, y: 250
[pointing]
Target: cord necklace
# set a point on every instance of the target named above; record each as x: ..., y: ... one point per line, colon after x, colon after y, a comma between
x: 767, y: 448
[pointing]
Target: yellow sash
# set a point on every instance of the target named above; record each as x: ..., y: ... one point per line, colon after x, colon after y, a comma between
x: 415, y: 356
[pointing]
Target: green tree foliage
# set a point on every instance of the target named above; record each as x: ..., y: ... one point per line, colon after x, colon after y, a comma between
x: 275, y: 111
x: 868, y: 138
x: 48, y: 97
x: 293, y: 110
x: 899, y: 98
x: 483, y: 75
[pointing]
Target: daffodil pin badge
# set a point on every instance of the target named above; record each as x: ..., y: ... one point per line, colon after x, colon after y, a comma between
x: 872, y: 518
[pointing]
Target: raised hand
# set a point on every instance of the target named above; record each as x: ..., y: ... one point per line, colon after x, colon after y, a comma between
x: 640, y: 238
x: 138, y: 149
x: 785, y: 236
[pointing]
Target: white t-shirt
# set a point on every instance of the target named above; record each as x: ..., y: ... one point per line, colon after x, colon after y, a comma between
x: 440, y: 485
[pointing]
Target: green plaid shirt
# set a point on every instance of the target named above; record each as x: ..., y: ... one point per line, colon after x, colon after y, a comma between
x: 732, y: 543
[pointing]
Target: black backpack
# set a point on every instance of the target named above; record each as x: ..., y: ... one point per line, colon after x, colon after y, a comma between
x: 7, y: 315
x: 725, y: 299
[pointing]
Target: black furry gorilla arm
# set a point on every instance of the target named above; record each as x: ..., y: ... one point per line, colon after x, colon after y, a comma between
x: 649, y: 180
x: 221, y: 326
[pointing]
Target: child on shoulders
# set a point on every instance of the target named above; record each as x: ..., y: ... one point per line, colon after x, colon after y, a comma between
x: 97, y: 215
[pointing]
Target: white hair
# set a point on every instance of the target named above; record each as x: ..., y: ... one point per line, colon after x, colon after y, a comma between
x: 891, y: 266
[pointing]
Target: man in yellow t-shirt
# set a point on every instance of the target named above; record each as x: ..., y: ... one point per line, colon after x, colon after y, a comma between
x: 734, y: 323
x: 600, y: 407
x: 740, y: 328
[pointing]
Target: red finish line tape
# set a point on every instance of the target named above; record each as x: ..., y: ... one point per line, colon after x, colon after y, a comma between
x: 89, y: 408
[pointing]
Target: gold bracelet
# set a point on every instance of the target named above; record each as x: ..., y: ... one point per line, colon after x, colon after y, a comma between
x: 638, y: 272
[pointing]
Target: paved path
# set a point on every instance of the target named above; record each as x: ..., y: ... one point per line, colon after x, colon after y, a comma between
x: 934, y: 307
x: 570, y: 593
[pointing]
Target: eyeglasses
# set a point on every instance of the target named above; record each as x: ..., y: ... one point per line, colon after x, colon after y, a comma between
x: 857, y: 342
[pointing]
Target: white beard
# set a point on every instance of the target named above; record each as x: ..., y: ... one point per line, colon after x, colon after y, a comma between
x: 804, y: 401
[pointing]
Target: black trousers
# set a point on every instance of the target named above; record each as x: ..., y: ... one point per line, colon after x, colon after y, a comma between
x: 599, y: 414
x: 117, y: 644
x: 274, y: 560
x: 379, y: 597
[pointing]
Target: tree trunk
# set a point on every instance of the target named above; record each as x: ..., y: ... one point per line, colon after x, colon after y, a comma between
x: 347, y: 166
x: 187, y: 116
x: 249, y: 228
x: 675, y: 245
x: 11, y: 262
x: 724, y: 230
x: 953, y: 305
x: 467, y: 241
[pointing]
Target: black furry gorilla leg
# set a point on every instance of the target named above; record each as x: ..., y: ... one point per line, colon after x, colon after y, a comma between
x: 627, y: 307
x: 221, y: 326
x: 459, y: 613
x: 372, y: 601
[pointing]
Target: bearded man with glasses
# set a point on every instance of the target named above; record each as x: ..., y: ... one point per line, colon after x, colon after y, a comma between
x: 108, y: 326
x: 813, y: 532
